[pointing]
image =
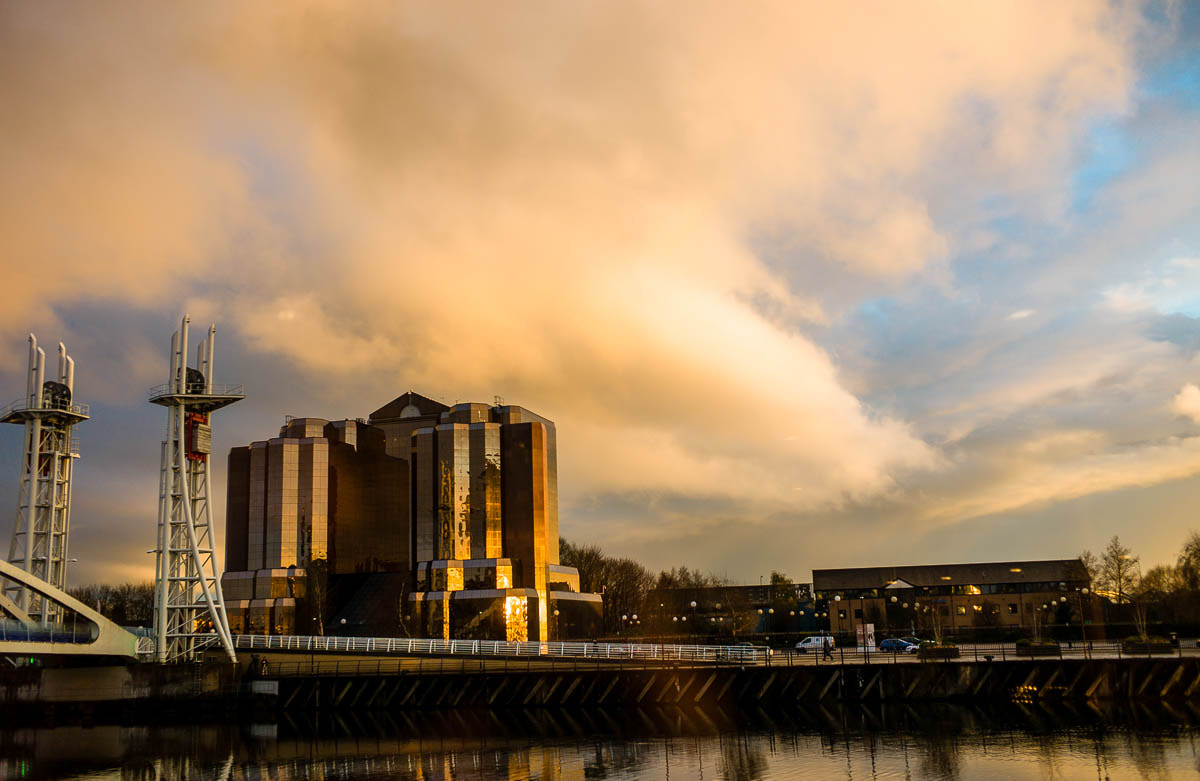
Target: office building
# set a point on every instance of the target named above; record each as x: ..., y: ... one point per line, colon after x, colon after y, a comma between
x: 954, y: 597
x: 429, y: 519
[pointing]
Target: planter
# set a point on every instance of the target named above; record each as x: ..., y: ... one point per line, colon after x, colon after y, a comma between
x: 1152, y: 647
x: 1038, y: 649
x: 938, y: 652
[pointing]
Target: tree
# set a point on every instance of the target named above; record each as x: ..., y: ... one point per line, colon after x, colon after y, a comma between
x: 1091, y: 563
x: 625, y: 586
x: 588, y: 559
x: 1119, y: 571
x: 1188, y: 565
x: 129, y: 604
x: 1159, y: 582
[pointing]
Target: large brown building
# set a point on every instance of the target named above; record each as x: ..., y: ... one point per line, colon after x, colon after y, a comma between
x: 450, y: 511
x: 903, y: 599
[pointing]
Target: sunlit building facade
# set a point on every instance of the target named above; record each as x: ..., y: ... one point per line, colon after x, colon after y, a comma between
x: 485, y: 523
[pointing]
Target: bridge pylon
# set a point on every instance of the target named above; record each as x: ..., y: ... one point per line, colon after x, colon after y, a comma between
x: 43, y: 519
x: 189, y: 609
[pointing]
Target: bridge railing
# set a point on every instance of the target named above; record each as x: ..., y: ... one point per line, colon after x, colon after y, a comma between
x: 569, y: 650
x: 20, y: 632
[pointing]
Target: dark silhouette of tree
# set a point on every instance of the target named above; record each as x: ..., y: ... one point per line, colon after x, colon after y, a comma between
x: 127, y: 604
x: 1119, y: 570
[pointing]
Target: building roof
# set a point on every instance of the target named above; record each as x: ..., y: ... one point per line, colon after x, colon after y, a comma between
x: 1053, y: 571
x: 394, y: 409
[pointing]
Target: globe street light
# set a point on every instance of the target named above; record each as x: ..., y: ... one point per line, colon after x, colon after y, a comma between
x: 1083, y: 592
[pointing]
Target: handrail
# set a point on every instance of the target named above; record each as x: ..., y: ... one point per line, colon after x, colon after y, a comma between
x: 23, y: 405
x: 635, y: 652
x: 503, y: 648
x: 217, y: 390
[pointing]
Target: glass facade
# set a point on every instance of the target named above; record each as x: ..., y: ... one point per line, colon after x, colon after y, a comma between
x: 460, y: 502
x: 320, y: 492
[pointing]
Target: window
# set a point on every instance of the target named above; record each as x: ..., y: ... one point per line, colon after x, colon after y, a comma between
x: 858, y: 612
x: 962, y: 610
x: 842, y: 615
x: 943, y: 610
x: 1013, y: 608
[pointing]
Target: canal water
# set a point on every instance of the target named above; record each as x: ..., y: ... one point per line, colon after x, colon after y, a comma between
x: 1000, y: 743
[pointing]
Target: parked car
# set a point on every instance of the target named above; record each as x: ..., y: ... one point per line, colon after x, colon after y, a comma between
x: 814, y: 644
x: 897, y: 645
x: 912, y: 640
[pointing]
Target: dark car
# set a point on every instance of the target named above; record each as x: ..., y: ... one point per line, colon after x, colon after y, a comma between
x: 897, y: 646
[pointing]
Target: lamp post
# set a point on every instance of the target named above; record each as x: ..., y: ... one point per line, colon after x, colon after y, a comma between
x: 1083, y: 592
x: 838, y: 599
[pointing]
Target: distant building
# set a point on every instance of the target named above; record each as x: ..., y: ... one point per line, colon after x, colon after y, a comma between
x: 903, y: 599
x: 441, y: 518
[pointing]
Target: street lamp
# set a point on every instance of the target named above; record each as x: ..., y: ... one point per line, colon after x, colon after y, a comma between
x: 1082, y: 592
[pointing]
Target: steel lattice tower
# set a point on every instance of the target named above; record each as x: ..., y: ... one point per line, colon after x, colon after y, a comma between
x: 39, y: 541
x: 189, y: 610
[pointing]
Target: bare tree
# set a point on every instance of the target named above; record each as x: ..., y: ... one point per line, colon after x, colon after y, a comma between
x: 1091, y: 563
x: 1188, y: 565
x: 588, y: 559
x: 1119, y: 571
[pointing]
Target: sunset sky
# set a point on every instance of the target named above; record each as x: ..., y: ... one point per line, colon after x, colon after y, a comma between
x: 802, y: 284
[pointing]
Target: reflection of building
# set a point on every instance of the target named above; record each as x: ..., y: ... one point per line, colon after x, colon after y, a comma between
x: 445, y: 515
x: 954, y: 596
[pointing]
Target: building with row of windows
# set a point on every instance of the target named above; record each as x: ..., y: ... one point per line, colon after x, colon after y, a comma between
x: 954, y: 597
x: 892, y: 601
x: 424, y: 518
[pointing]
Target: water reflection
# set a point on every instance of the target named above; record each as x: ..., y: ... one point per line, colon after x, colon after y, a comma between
x: 887, y: 741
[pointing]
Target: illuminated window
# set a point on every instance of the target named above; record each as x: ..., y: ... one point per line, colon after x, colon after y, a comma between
x: 978, y: 608
x: 973, y: 590
x: 1014, y: 569
x: 1012, y: 608
x: 842, y: 615
x: 945, y: 577
x: 962, y: 610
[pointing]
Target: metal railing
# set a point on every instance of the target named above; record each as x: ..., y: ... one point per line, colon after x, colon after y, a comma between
x: 22, y: 405
x: 740, y: 654
x: 217, y: 390
x: 992, y: 652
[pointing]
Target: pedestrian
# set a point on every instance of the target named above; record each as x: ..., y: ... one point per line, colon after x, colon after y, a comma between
x: 827, y: 648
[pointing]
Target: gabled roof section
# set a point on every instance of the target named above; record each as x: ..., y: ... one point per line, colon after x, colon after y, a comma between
x: 920, y: 576
x: 393, y: 409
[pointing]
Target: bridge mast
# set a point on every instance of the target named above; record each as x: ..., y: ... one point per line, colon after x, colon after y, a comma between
x: 39, y: 540
x: 189, y: 610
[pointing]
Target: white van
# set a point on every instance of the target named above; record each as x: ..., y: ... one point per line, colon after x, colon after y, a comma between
x: 814, y: 644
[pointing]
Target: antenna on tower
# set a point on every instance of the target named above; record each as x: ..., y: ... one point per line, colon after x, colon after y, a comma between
x: 39, y: 541
x: 189, y: 609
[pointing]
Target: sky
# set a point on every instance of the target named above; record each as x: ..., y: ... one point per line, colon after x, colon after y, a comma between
x: 801, y: 284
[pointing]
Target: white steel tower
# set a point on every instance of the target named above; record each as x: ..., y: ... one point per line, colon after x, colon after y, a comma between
x: 39, y: 541
x: 189, y: 611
